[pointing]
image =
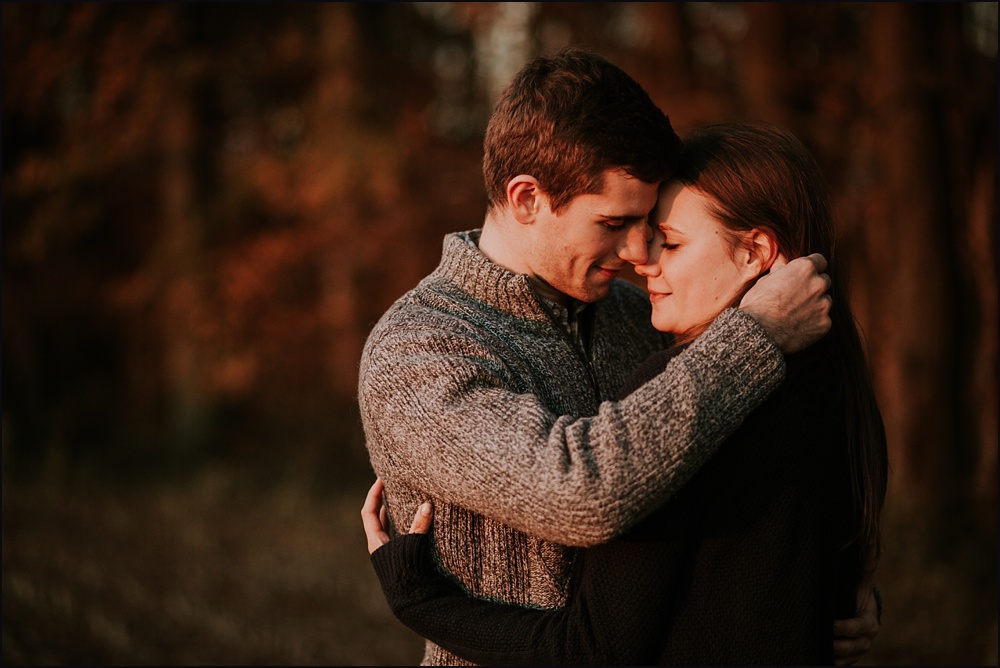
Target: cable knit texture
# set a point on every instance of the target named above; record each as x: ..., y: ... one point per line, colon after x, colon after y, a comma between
x: 471, y: 397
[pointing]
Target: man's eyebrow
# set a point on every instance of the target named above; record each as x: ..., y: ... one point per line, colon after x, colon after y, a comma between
x: 625, y: 218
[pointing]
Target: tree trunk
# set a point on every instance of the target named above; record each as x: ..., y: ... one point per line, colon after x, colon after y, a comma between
x: 913, y: 300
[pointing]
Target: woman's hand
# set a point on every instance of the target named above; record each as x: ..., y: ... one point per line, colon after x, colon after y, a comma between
x: 375, y: 517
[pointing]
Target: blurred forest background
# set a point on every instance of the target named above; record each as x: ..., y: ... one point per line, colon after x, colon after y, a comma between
x: 207, y: 206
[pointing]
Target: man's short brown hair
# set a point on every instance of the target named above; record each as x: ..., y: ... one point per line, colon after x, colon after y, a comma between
x: 566, y: 119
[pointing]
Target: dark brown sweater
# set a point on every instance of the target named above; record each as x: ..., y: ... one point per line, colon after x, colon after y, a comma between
x: 739, y: 568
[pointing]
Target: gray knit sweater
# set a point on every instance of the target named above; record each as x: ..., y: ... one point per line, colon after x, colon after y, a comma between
x: 473, y: 398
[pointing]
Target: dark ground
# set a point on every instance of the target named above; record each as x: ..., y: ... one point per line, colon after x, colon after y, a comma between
x: 219, y: 570
x: 205, y: 573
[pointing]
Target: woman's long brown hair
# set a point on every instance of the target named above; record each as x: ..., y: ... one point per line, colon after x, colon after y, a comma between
x: 760, y: 176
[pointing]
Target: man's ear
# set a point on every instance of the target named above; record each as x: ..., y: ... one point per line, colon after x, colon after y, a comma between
x: 760, y: 252
x: 525, y: 198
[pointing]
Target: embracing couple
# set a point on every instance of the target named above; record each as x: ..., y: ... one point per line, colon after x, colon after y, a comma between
x: 692, y: 474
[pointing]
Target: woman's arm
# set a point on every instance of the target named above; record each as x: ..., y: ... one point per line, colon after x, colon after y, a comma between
x: 616, y: 614
x: 484, y: 632
x: 488, y: 632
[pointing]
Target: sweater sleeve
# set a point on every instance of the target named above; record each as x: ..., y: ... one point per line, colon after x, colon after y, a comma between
x: 495, y: 633
x: 441, y: 416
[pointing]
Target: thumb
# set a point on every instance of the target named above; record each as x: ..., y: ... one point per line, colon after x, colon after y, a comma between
x: 422, y: 520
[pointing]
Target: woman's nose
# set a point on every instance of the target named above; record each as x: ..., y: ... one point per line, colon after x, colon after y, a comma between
x: 648, y: 268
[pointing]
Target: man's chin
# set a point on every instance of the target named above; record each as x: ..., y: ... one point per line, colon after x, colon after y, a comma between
x: 593, y: 293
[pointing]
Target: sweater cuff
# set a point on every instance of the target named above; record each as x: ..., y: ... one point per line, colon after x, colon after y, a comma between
x: 409, y: 577
x: 403, y: 557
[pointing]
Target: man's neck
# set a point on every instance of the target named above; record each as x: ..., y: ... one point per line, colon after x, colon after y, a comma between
x: 543, y: 289
x: 496, y: 244
x: 501, y: 249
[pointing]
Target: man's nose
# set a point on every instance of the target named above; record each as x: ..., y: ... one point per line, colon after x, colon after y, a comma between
x: 651, y: 267
x: 646, y: 269
x: 633, y: 250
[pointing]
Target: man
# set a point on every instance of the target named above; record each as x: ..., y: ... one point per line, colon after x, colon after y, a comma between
x: 488, y: 388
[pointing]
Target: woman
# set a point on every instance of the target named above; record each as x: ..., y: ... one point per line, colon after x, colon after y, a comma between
x: 765, y: 547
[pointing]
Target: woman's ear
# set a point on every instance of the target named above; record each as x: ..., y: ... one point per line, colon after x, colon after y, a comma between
x: 525, y: 198
x: 761, y: 252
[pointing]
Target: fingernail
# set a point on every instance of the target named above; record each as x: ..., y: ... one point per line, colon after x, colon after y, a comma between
x: 425, y: 508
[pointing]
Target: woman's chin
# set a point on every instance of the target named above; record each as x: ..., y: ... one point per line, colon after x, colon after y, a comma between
x: 663, y: 325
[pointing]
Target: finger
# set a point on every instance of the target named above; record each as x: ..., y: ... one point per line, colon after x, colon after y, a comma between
x: 862, y: 626
x: 818, y: 261
x: 374, y: 499
x: 373, y: 518
x: 373, y: 524
x: 383, y: 516
x: 848, y: 628
x: 847, y: 651
x: 422, y: 520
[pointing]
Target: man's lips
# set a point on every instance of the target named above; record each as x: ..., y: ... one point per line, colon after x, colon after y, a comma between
x: 611, y: 272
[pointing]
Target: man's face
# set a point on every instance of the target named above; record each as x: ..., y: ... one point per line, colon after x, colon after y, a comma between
x: 582, y: 248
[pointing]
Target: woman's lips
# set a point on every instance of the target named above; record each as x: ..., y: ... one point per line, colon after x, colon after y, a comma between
x: 657, y: 296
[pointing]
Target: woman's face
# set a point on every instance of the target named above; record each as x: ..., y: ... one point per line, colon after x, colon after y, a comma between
x: 691, y: 274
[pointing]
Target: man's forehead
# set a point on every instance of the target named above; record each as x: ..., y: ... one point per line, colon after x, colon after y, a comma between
x: 622, y: 196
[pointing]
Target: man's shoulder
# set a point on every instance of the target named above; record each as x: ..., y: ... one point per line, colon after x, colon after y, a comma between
x: 436, y: 313
x: 421, y: 303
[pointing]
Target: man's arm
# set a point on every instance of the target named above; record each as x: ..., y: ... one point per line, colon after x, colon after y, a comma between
x: 442, y: 415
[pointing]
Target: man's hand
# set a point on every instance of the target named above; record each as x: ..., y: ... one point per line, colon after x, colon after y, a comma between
x: 853, y: 637
x: 792, y: 302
